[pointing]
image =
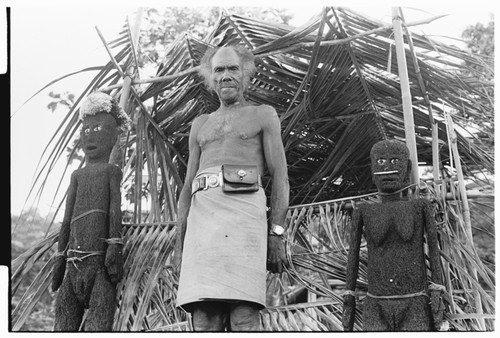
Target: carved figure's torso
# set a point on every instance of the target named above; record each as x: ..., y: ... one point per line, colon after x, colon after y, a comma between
x: 89, y: 232
x: 394, y: 232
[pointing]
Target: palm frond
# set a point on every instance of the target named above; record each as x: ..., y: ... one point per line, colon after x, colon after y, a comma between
x: 313, y: 316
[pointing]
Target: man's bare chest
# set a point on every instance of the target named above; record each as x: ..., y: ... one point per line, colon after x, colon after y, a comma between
x: 233, y: 128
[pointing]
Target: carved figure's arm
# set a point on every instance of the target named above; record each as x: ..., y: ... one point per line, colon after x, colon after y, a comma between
x: 114, y: 252
x: 60, y: 261
x: 436, y: 288
x: 115, y: 213
x: 352, y: 270
x: 432, y: 242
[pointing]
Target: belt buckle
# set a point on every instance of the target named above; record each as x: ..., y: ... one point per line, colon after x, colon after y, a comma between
x: 212, y: 181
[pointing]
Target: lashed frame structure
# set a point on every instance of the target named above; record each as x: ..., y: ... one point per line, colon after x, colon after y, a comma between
x: 330, y: 79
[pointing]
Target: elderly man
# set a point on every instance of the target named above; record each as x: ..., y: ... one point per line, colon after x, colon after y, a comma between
x: 223, y: 232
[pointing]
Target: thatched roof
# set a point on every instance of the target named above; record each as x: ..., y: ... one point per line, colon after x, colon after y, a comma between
x: 335, y: 92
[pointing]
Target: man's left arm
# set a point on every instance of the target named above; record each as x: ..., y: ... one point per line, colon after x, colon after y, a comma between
x: 274, y: 153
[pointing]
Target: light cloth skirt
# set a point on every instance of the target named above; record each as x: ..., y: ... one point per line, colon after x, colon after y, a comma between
x: 225, y: 247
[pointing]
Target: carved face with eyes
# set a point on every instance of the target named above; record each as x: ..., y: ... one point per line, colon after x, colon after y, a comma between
x: 390, y: 165
x: 98, y: 135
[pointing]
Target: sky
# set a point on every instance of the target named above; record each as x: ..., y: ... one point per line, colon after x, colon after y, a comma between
x: 55, y: 39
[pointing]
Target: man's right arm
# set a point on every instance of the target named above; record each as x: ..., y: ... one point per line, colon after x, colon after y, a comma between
x: 64, y: 233
x: 185, y: 196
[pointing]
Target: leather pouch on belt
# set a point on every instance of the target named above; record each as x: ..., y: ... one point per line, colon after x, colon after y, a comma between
x: 240, y: 178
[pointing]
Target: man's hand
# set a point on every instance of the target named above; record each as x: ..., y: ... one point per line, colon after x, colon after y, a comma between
x: 114, y: 262
x: 177, y: 258
x: 58, y: 272
x: 348, y: 312
x: 276, y: 257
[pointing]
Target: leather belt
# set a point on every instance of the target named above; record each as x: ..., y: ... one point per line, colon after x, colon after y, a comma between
x: 203, y: 182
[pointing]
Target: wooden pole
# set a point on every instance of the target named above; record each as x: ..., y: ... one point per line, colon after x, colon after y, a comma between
x: 116, y: 157
x: 466, y: 211
x: 406, y: 94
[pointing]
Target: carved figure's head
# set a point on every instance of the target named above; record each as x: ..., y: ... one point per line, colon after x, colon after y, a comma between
x: 391, y: 165
x: 102, y: 121
x: 227, y: 70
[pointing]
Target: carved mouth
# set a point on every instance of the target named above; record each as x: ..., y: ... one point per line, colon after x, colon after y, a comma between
x: 387, y: 177
x: 385, y: 172
x: 91, y: 147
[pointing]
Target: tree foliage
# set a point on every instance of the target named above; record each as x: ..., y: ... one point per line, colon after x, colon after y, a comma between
x: 65, y: 99
x: 163, y: 26
x: 480, y: 40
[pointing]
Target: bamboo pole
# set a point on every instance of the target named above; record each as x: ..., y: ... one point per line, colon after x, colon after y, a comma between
x: 406, y: 95
x: 116, y: 153
x: 466, y: 211
x: 170, y: 210
x: 116, y: 156
x: 434, y: 127
x: 149, y: 153
x: 138, y: 169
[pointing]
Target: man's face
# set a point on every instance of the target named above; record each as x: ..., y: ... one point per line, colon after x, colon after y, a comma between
x: 98, y: 136
x: 227, y: 75
x: 390, y: 166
